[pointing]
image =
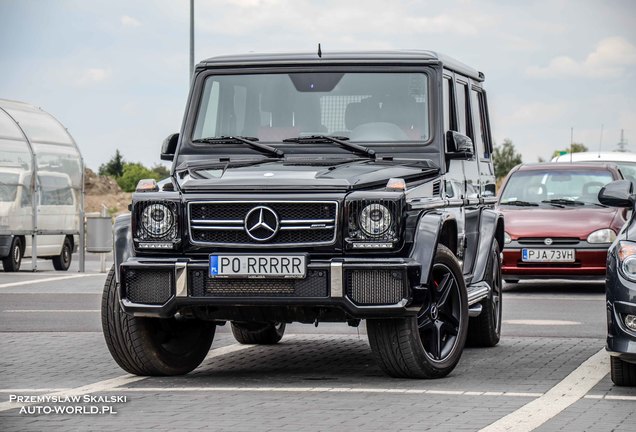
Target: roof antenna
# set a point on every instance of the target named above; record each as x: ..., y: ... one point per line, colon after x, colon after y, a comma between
x: 319, y: 51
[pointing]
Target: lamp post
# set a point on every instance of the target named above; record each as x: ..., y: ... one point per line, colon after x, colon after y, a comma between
x: 191, y: 38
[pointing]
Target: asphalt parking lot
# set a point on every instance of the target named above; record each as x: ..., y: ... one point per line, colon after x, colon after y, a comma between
x: 549, y: 373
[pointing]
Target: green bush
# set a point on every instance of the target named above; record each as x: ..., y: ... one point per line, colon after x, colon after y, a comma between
x: 132, y: 173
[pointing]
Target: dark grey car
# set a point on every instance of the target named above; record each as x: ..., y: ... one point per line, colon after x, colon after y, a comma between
x: 621, y: 287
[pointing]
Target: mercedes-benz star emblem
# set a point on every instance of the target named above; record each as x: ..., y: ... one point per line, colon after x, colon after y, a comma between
x: 261, y: 223
x: 548, y: 241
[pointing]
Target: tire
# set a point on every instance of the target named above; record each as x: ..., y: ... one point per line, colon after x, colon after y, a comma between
x: 152, y: 346
x: 622, y: 372
x: 63, y: 261
x: 255, y: 333
x: 12, y: 262
x: 431, y: 344
x: 484, y: 330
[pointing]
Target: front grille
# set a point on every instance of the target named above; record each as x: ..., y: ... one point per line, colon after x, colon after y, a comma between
x: 375, y: 287
x: 556, y: 241
x: 223, y: 223
x: 314, y: 285
x: 147, y: 286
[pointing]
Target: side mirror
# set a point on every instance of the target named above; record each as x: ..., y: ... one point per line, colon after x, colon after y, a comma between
x: 619, y: 193
x: 459, y: 146
x: 169, y: 146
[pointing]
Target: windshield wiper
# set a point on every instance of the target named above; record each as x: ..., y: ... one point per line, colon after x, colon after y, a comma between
x: 564, y: 201
x: 250, y: 141
x: 520, y: 203
x: 354, y: 148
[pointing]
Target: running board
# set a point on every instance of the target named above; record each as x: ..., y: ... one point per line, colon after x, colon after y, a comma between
x: 477, y: 292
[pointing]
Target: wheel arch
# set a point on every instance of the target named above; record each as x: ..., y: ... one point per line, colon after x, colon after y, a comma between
x: 491, y: 229
x: 432, y: 229
x: 122, y: 242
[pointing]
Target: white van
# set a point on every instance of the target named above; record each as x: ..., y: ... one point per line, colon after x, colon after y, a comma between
x: 56, y: 211
x: 626, y: 161
x: 37, y: 154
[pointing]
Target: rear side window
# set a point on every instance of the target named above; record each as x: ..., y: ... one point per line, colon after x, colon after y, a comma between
x: 461, y: 91
x: 480, y: 132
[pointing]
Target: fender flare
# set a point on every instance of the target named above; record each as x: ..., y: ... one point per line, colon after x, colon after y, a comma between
x: 426, y: 239
x: 122, y: 242
x: 491, y: 229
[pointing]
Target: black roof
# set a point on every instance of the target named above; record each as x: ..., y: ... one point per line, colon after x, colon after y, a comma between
x: 352, y: 57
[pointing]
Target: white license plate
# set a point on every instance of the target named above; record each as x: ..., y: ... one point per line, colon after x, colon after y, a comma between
x: 258, y: 266
x: 547, y: 255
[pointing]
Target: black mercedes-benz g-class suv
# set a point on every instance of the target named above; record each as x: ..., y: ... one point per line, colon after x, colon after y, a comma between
x: 316, y: 188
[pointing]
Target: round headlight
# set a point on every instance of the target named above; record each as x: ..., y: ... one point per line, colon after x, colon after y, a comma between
x: 507, y: 238
x: 375, y: 219
x: 629, y: 267
x: 157, y: 220
x: 605, y: 235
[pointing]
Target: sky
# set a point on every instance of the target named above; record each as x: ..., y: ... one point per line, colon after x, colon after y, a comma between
x: 116, y: 72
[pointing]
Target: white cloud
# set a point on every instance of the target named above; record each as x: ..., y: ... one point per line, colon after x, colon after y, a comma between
x: 608, y: 60
x: 92, y: 76
x: 536, y: 113
x: 128, y: 21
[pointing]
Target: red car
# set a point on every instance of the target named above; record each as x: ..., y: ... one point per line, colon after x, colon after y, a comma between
x: 555, y: 225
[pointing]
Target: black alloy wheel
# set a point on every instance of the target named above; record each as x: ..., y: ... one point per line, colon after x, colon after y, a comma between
x: 439, y: 321
x: 430, y: 344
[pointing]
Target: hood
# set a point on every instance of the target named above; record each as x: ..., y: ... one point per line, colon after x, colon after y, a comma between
x: 306, y: 174
x: 556, y: 222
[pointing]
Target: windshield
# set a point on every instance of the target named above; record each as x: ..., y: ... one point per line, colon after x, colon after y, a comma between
x: 8, y: 187
x: 628, y: 169
x: 356, y: 106
x: 559, y: 186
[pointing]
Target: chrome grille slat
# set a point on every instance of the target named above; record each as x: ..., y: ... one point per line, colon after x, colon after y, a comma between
x: 301, y: 223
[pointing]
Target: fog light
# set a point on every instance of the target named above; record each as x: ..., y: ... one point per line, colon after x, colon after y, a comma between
x: 630, y: 322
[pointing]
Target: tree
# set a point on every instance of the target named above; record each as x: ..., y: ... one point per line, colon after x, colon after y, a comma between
x: 575, y: 148
x: 161, y: 171
x: 133, y: 172
x: 505, y: 158
x: 114, y: 167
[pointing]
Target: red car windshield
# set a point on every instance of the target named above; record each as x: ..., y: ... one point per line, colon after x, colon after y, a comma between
x: 563, y: 187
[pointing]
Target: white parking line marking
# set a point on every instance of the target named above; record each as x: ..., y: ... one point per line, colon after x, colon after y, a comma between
x: 100, y: 386
x: 565, y: 393
x: 114, y: 383
x: 612, y: 397
x: 49, y: 310
x: 326, y: 390
x: 50, y: 279
x: 512, y: 296
x: 540, y: 322
x: 34, y: 390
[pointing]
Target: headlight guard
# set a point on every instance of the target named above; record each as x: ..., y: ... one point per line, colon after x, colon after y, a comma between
x: 155, y: 224
x: 374, y: 220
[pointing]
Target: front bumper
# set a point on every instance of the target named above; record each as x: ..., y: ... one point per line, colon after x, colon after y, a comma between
x: 590, y: 263
x: 621, y: 300
x: 352, y: 288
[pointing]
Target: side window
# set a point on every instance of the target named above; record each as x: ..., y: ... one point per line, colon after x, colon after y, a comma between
x: 209, y: 112
x: 461, y: 91
x: 485, y: 121
x: 55, y: 191
x: 480, y: 134
x: 448, y: 105
x: 25, y: 199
